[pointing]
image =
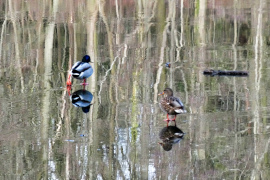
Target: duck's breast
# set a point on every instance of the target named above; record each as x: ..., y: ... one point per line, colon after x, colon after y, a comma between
x: 164, y: 105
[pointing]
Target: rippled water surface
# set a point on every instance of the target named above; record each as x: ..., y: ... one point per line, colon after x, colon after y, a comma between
x: 44, y: 135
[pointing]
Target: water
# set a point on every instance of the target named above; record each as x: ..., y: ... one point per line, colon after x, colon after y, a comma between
x: 44, y: 136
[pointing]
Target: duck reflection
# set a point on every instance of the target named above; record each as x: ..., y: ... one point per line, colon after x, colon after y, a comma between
x: 82, y: 98
x: 170, y: 135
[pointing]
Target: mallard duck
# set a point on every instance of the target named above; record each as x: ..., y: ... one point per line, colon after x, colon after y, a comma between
x: 83, y: 99
x: 81, y: 70
x: 170, y: 104
x: 170, y: 135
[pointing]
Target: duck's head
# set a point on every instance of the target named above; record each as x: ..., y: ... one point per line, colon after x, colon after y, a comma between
x: 167, y: 92
x: 166, y: 146
x: 86, y: 58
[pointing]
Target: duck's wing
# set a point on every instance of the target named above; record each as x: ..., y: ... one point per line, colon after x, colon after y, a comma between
x: 87, y: 73
x: 173, y: 138
x: 175, y: 131
x: 176, y: 105
x: 75, y: 65
x: 78, y: 102
x: 81, y: 99
x: 84, y: 95
x: 175, y: 102
x: 74, y: 72
x: 81, y: 103
x: 81, y: 70
x: 81, y: 66
x: 176, y: 137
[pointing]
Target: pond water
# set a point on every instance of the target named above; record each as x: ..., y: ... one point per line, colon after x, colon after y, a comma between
x: 44, y: 136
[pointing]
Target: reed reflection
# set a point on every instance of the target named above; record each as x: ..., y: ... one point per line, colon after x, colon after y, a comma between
x: 82, y: 98
x: 170, y: 135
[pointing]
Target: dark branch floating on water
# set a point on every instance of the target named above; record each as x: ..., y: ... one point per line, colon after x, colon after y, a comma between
x: 212, y: 72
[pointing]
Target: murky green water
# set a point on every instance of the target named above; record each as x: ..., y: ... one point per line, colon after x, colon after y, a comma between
x: 43, y: 136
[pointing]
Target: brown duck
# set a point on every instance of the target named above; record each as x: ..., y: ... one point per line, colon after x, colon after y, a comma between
x: 170, y: 104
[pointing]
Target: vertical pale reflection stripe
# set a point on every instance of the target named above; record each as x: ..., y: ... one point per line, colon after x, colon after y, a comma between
x: 258, y: 58
x: 16, y: 37
x: 201, y: 21
x: 47, y: 77
x: 2, y: 36
x: 235, y: 147
x: 182, y: 23
x: 161, y: 60
x: 172, y: 12
x: 47, y: 93
x: 92, y: 10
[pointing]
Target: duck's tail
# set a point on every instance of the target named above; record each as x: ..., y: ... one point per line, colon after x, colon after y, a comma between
x: 180, y: 111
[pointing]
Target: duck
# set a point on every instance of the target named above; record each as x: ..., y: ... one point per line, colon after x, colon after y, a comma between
x: 83, y: 99
x: 81, y: 70
x: 170, y: 104
x: 169, y: 136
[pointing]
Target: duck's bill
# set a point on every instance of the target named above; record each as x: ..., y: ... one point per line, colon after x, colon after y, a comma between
x: 161, y: 93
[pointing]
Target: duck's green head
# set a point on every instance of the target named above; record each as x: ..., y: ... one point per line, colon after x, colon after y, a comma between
x: 86, y: 58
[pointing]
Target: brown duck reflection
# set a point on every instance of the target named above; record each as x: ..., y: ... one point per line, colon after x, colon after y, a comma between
x: 82, y: 98
x: 170, y: 135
